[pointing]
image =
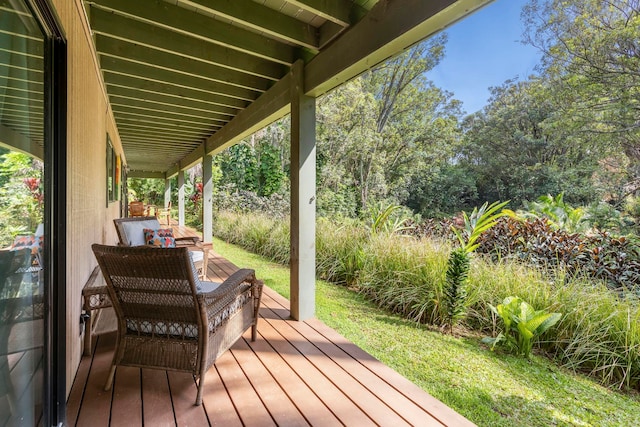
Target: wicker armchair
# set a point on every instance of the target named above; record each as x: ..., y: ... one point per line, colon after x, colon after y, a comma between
x: 167, y: 318
x: 130, y: 234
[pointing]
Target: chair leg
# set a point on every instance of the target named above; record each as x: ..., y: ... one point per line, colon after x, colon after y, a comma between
x: 254, y: 331
x: 200, y: 386
x: 112, y: 373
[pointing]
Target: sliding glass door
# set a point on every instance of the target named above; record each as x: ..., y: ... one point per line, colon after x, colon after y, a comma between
x: 29, y: 144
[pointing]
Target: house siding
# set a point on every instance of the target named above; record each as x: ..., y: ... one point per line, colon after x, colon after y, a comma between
x: 89, y: 218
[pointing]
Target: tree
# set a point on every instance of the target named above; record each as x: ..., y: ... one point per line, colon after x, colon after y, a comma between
x: 591, y: 57
x: 379, y: 130
x: 259, y: 164
x: 513, y: 156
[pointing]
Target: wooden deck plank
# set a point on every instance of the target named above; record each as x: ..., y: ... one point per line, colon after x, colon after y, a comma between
x: 412, y: 392
x: 433, y: 406
x: 126, y: 407
x: 300, y: 393
x: 370, y: 404
x: 96, y: 403
x: 183, y: 394
x: 340, y: 404
x: 388, y: 395
x: 217, y: 402
x: 157, y: 408
x: 75, y: 396
x: 275, y: 399
x: 245, y: 399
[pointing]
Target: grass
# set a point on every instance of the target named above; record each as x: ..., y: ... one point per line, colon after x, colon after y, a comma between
x: 490, y: 389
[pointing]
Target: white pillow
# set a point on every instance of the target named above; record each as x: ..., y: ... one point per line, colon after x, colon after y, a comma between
x: 133, y: 234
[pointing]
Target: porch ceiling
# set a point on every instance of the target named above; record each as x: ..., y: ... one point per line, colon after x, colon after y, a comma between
x: 187, y: 78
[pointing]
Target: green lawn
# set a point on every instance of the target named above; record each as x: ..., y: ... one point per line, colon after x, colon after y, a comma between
x: 491, y: 389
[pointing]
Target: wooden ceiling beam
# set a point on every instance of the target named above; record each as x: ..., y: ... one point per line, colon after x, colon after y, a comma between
x: 225, y: 104
x: 164, y: 122
x: 390, y: 27
x: 167, y: 142
x: 125, y: 124
x: 144, y: 71
x: 160, y: 115
x: 336, y: 11
x: 178, y: 19
x: 171, y: 109
x: 262, y: 19
x: 145, y: 34
x: 271, y: 106
x: 115, y: 48
x: 145, y: 174
x: 163, y: 99
x: 138, y: 136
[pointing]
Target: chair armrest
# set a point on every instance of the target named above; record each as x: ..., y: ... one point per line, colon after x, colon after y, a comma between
x: 228, y: 291
x: 187, y: 241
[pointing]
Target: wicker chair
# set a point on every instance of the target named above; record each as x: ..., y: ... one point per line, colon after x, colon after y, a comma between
x: 130, y: 234
x: 167, y: 318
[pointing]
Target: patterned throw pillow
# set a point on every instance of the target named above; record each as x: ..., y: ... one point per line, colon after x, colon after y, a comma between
x: 22, y: 242
x: 162, y: 237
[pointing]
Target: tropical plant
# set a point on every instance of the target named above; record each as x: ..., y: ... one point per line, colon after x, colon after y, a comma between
x: 559, y: 214
x: 522, y: 324
x: 454, y: 293
x: 389, y: 219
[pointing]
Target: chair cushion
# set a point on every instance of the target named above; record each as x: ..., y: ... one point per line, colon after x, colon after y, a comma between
x: 133, y: 234
x: 205, y: 287
x: 196, y: 256
x: 161, y: 237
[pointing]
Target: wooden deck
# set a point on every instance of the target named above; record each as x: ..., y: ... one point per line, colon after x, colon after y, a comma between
x: 294, y: 374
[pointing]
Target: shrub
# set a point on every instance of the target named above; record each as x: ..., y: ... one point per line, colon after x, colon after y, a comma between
x: 340, y: 251
x: 601, y: 256
x: 406, y: 276
x: 522, y: 324
x: 257, y: 233
x: 599, y: 333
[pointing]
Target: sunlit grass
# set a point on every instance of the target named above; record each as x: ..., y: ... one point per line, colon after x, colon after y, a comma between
x: 491, y: 389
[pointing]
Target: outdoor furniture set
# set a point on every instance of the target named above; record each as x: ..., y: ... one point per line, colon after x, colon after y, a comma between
x: 169, y: 317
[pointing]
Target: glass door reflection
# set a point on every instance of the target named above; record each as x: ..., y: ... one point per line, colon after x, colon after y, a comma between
x: 21, y: 213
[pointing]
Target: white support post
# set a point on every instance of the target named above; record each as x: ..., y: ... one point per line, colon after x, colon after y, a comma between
x: 167, y: 192
x: 207, y: 198
x: 181, y: 198
x: 303, y: 198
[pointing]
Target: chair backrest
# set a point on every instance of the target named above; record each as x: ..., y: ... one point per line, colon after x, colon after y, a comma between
x: 136, y: 208
x: 130, y: 230
x: 151, y: 288
x: 164, y: 213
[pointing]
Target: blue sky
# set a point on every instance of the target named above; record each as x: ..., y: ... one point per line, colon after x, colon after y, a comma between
x: 484, y: 50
